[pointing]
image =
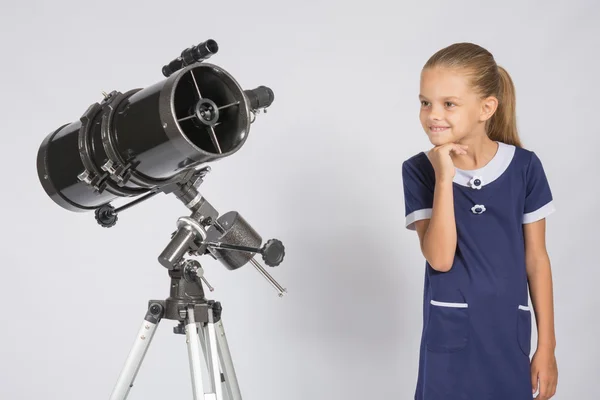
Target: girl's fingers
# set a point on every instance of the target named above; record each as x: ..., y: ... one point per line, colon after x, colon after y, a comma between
x: 463, y: 148
x: 545, y: 389
x: 458, y: 149
x: 534, y: 382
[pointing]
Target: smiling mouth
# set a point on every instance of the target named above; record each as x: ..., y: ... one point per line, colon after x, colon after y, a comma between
x: 437, y: 129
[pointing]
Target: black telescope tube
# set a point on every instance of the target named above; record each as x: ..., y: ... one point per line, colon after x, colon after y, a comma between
x: 136, y: 142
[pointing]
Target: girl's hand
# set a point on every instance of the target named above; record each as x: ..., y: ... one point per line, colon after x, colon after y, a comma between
x: 442, y: 162
x: 544, y: 369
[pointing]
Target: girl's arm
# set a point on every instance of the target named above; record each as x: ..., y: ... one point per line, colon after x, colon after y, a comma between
x: 544, y: 370
x: 540, y: 282
x: 438, y: 235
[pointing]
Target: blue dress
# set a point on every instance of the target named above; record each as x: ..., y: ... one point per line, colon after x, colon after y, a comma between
x: 476, y: 337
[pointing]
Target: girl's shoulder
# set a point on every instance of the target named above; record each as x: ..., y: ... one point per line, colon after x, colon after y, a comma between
x: 527, y: 167
x: 418, y: 159
x: 418, y: 165
x: 524, y: 158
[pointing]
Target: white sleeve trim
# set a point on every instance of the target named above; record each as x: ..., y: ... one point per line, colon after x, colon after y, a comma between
x: 417, y: 215
x: 540, y: 213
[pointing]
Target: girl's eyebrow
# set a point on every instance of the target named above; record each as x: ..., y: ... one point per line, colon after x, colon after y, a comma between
x: 445, y: 98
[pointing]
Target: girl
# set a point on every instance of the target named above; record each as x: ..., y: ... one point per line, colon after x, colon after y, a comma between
x: 478, y: 202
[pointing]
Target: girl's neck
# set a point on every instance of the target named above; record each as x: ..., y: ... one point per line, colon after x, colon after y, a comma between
x: 480, y: 152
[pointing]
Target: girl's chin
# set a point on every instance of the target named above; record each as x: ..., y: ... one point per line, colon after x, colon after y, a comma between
x: 439, y: 140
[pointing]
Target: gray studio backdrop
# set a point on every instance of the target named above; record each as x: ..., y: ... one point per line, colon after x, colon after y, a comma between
x: 320, y: 171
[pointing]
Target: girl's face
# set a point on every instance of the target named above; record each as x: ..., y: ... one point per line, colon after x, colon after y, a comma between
x: 450, y: 109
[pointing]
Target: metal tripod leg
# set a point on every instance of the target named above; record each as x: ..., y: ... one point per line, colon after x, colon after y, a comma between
x: 137, y: 352
x: 221, y: 383
x: 196, y: 358
x: 231, y: 384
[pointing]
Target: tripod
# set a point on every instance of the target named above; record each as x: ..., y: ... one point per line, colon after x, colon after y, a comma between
x: 227, y: 238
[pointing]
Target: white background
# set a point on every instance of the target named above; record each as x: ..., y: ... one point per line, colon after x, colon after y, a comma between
x: 320, y: 171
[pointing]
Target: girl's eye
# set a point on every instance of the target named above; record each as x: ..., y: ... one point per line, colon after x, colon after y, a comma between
x: 448, y: 104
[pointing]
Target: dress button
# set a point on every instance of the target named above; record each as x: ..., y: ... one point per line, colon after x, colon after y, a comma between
x: 476, y: 182
x: 478, y: 208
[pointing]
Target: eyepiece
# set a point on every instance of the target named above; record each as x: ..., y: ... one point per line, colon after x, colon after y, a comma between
x: 191, y: 55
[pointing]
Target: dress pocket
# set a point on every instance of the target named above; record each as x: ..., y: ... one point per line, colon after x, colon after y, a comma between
x: 448, y: 327
x: 524, y: 329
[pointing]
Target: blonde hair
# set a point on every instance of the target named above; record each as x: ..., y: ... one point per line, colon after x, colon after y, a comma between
x: 488, y: 79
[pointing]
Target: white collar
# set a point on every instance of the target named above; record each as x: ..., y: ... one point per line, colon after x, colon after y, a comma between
x: 489, y: 172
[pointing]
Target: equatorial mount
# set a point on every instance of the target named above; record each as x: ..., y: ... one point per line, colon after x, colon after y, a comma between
x: 228, y: 238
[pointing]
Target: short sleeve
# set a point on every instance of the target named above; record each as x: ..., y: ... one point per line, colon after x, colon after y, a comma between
x: 418, y: 193
x: 538, y: 197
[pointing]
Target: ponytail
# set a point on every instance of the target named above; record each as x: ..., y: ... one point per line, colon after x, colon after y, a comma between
x: 502, y: 126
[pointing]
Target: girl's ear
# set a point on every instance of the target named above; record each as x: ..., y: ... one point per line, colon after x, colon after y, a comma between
x: 489, y: 106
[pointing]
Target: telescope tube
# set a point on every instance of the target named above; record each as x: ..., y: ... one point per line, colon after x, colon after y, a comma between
x: 131, y: 143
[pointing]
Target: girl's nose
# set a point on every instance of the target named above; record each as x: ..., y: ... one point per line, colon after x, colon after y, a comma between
x: 435, y: 114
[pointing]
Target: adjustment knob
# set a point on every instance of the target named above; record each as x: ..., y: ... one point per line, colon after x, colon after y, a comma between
x: 106, y: 216
x: 273, y: 252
